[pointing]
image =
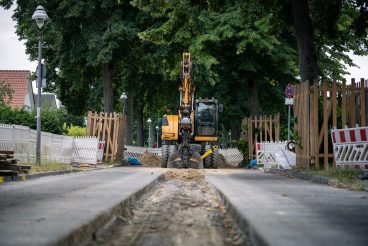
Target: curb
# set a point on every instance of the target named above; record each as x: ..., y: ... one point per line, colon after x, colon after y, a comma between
x: 253, y: 235
x: 303, y: 176
x: 309, y: 177
x: 87, y: 232
x: 24, y: 177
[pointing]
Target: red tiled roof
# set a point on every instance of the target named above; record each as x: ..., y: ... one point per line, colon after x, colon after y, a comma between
x: 18, y: 80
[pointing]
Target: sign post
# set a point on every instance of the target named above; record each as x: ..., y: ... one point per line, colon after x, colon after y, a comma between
x: 289, y: 93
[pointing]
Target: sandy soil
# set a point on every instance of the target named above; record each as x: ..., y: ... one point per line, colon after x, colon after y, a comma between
x: 182, y: 210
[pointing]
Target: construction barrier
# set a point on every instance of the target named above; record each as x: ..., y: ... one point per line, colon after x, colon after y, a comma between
x: 350, y: 147
x: 276, y: 155
x: 232, y: 155
x: 100, y: 151
x: 85, y: 150
x: 54, y: 148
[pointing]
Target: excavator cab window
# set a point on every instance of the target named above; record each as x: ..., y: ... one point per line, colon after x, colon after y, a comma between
x: 206, y: 119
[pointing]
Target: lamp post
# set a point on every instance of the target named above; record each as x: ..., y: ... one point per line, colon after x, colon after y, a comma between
x: 40, y: 17
x: 149, y: 121
x: 157, y: 129
x: 123, y: 99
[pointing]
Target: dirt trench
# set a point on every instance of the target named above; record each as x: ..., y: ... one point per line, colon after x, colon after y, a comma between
x: 182, y: 210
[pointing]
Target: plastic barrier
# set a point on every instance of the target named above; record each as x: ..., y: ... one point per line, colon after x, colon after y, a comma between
x: 350, y: 147
x: 85, y: 150
x: 275, y: 154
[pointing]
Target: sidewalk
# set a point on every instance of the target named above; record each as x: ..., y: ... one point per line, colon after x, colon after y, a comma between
x: 68, y: 209
x: 283, y: 211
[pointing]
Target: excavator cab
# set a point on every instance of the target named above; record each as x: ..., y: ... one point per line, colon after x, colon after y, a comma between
x: 206, y: 112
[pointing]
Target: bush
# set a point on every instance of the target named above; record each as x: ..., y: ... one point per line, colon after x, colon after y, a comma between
x: 76, y: 131
x: 51, y: 120
x: 17, y: 117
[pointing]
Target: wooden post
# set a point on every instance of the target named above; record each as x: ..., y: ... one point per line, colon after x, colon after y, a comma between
x: 303, y: 151
x: 89, y: 123
x: 352, y: 104
x: 334, y: 104
x: 343, y: 102
x: 362, y: 103
x: 325, y: 125
x: 121, y: 138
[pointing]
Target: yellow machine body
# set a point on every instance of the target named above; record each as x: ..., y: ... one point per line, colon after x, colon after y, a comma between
x: 171, y: 131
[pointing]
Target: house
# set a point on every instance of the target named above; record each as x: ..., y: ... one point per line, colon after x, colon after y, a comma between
x: 48, y: 101
x: 20, y: 82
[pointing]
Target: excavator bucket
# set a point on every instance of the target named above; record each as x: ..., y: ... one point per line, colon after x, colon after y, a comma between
x: 177, y: 161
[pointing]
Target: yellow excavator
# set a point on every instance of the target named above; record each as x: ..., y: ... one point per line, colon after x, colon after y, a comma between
x: 189, y: 138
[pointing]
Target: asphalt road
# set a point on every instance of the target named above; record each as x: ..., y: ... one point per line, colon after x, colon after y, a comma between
x: 282, y: 211
x: 45, y: 211
x: 288, y: 211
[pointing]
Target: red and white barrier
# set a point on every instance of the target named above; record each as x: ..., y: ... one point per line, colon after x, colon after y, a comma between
x: 350, y: 147
x: 100, y: 151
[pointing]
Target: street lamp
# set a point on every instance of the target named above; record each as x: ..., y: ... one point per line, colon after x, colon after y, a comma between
x: 123, y: 99
x: 40, y: 17
x: 157, y: 129
x: 149, y: 121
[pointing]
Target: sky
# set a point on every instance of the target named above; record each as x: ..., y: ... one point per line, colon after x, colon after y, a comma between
x: 13, y: 56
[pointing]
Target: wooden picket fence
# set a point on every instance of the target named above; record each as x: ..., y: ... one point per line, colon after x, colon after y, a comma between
x: 260, y: 128
x: 319, y: 108
x: 110, y: 128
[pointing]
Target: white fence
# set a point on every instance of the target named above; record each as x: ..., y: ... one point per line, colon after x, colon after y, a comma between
x: 54, y: 148
x: 275, y: 154
x: 232, y: 155
x: 350, y: 147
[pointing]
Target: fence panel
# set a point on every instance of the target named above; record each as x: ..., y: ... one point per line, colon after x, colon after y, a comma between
x: 85, y: 150
x: 259, y: 129
x: 332, y: 105
x: 109, y: 128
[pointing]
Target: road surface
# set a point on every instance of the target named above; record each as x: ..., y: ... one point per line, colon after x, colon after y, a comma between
x: 68, y: 209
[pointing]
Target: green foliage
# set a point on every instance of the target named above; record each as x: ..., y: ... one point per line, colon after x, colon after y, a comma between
x: 52, y: 121
x: 235, y: 45
x: 17, y: 117
x: 75, y: 130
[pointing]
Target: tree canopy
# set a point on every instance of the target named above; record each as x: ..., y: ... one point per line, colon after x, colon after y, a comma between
x: 244, y: 52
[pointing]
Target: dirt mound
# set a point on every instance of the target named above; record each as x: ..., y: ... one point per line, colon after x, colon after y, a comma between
x: 184, y: 175
x: 221, y: 161
x: 150, y: 160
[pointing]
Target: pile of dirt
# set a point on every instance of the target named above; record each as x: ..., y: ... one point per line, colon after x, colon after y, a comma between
x: 221, y: 161
x: 150, y: 160
x: 184, y: 175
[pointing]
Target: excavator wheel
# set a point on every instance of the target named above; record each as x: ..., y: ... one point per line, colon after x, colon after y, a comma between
x: 208, y: 159
x: 164, y: 155
x: 214, y: 160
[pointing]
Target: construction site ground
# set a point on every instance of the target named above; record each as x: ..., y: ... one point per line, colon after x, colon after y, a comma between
x: 154, y: 206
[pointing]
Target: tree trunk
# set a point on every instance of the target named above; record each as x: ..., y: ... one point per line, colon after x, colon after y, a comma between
x: 235, y: 130
x: 254, y: 106
x: 140, y: 125
x: 305, y: 41
x: 129, y: 120
x: 108, y: 93
x: 224, y: 136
